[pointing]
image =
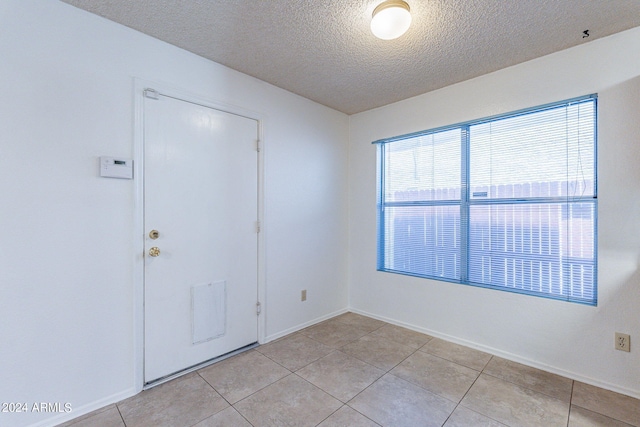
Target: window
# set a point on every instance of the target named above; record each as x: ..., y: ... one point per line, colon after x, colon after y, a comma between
x: 506, y: 203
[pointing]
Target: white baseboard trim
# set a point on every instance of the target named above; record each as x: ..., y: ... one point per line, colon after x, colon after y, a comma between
x: 86, y: 409
x: 506, y: 355
x: 115, y: 398
x: 102, y: 403
x: 301, y: 326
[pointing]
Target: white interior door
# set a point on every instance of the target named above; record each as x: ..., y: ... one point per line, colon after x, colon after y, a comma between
x: 201, y: 196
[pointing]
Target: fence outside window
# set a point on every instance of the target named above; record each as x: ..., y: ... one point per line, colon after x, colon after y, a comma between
x: 507, y: 202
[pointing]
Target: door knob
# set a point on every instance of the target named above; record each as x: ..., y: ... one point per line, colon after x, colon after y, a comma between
x: 154, y: 234
x: 154, y: 251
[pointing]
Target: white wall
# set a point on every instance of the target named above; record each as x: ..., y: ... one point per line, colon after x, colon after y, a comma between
x: 571, y: 339
x: 67, y: 287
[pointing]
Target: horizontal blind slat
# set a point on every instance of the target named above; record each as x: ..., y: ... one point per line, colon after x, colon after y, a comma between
x: 538, y: 245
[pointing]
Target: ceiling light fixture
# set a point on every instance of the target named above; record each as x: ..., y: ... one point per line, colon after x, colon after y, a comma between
x: 391, y: 19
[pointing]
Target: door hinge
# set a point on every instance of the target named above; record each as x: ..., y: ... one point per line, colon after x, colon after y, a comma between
x: 258, y: 308
x: 151, y: 93
x: 257, y: 226
x: 258, y: 145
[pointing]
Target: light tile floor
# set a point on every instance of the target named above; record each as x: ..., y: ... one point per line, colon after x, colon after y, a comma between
x: 356, y: 371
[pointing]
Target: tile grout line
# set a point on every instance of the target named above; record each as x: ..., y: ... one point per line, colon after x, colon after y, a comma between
x: 527, y: 388
x: 242, y: 415
x: 278, y: 363
x: 328, y: 416
x: 232, y: 405
x: 321, y: 389
x: 573, y: 384
x: 334, y: 350
x: 497, y: 374
x: 351, y: 407
x: 483, y: 371
x: 121, y: 417
x: 430, y: 391
x: 592, y: 410
x: 214, y: 389
x: 455, y: 363
x: 388, y: 372
x: 385, y: 372
x: 459, y: 404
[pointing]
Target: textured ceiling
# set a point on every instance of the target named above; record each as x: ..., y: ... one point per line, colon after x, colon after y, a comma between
x: 324, y: 49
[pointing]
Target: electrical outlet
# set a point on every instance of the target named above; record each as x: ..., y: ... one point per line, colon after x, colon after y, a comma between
x: 303, y: 295
x: 623, y: 342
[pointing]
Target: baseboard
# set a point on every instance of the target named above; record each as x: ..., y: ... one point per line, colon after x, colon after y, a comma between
x: 301, y: 326
x: 103, y: 403
x: 506, y: 355
x: 86, y: 409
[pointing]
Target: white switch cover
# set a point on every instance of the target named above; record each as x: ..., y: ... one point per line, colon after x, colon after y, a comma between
x: 112, y: 167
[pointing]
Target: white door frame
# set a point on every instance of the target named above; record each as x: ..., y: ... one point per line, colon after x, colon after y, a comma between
x: 138, y: 239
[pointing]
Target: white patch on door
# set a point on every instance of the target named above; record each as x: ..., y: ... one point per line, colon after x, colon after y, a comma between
x: 208, y: 311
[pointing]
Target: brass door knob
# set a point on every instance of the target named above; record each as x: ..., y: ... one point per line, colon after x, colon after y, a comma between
x: 154, y: 234
x: 154, y: 251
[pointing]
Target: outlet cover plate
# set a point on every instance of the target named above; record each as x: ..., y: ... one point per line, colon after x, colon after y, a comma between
x: 623, y: 342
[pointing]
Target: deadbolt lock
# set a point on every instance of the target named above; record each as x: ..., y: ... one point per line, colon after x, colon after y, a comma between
x: 154, y: 234
x: 154, y: 251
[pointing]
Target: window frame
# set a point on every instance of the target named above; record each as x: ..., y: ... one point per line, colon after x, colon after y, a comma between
x: 466, y: 202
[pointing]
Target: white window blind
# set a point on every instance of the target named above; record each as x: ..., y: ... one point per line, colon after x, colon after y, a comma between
x: 507, y: 202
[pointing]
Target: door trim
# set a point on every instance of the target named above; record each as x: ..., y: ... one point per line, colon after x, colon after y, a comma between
x: 138, y: 223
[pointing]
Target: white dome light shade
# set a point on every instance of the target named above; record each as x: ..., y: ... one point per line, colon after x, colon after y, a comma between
x: 391, y: 19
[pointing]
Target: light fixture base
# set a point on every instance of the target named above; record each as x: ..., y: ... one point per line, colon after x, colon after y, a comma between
x: 391, y: 3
